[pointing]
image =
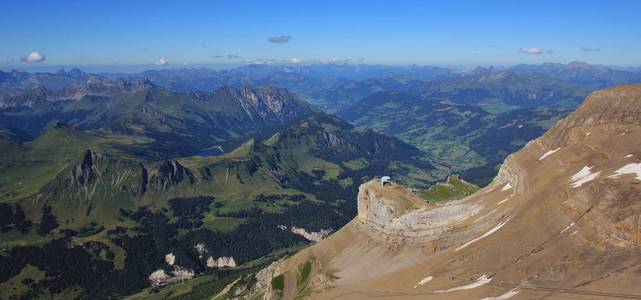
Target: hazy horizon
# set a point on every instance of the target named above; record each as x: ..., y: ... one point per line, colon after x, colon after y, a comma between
x: 133, y: 35
x: 133, y: 69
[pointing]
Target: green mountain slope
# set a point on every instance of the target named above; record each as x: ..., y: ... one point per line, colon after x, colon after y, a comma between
x: 73, y: 193
x: 453, y: 188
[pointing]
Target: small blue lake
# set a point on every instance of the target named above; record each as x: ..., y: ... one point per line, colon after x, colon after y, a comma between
x: 211, y: 151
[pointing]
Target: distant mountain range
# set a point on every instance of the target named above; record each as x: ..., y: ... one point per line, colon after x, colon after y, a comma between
x: 335, y: 86
x: 180, y: 123
x: 17, y: 80
x: 596, y: 76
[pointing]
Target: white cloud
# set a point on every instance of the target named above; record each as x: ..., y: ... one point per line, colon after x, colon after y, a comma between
x: 531, y: 51
x: 161, y: 62
x: 281, y: 39
x: 34, y: 57
x: 295, y: 60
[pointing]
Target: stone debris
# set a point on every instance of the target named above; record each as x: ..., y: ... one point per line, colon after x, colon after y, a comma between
x: 161, y: 278
x: 221, y: 262
x: 200, y: 249
x: 170, y: 259
x: 314, y: 236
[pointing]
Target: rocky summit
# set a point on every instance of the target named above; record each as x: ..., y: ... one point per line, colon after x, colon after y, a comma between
x: 561, y: 220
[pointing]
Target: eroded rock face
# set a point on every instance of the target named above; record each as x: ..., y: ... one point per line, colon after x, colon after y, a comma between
x: 161, y: 278
x: 268, y: 104
x: 86, y: 172
x: 221, y: 262
x: 312, y: 236
x: 170, y: 259
x: 171, y: 173
x: 394, y: 213
x: 511, y: 173
x: 158, y: 277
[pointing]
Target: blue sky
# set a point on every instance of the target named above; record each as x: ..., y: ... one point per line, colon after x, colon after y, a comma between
x: 465, y: 33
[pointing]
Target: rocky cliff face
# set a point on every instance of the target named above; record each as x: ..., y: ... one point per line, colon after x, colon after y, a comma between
x: 221, y: 262
x: 266, y: 104
x: 394, y: 214
x: 86, y: 172
x: 170, y: 173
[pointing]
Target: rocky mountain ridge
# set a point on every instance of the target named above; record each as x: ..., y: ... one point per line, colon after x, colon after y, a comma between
x: 177, y: 123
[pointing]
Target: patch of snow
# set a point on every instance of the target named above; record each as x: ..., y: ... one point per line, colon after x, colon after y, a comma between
x: 549, y: 153
x: 507, y: 187
x: 424, y: 281
x: 493, y: 230
x: 566, y: 228
x: 587, y: 134
x: 170, y: 259
x: 573, y: 233
x: 511, y: 293
x: 633, y: 168
x: 520, y: 126
x: 221, y: 262
x: 629, y: 155
x: 503, y: 201
x: 477, y: 283
x: 583, y: 176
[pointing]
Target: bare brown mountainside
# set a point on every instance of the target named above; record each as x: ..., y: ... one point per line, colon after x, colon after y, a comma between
x: 562, y: 220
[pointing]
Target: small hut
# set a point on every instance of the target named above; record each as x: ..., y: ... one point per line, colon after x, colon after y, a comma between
x: 386, y: 180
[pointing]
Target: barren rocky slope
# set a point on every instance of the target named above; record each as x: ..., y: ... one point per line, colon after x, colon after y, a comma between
x: 561, y: 220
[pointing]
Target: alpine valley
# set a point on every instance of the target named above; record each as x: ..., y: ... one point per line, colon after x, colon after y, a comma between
x: 263, y: 182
